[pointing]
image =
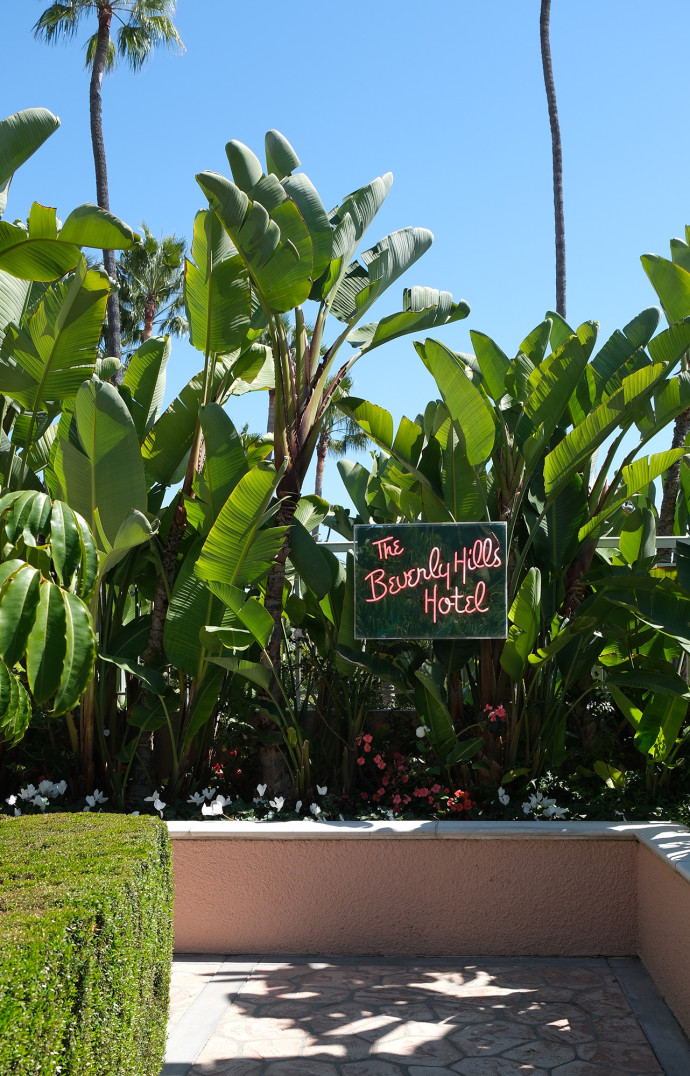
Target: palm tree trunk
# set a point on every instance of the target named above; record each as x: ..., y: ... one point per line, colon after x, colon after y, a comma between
x: 105, y: 14
x: 557, y: 155
x: 321, y: 453
x: 149, y: 317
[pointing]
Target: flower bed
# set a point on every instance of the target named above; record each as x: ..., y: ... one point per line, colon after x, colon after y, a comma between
x: 439, y: 888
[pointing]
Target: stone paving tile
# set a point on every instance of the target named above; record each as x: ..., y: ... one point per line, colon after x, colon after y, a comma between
x: 614, y: 1054
x: 495, y: 1066
x: 336, y: 1017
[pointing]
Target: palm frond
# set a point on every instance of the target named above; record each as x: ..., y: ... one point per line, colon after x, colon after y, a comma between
x: 60, y: 21
x: 143, y: 31
x: 90, y: 50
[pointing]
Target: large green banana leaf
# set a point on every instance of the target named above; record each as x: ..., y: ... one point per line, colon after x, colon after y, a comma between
x: 614, y: 412
x: 217, y: 292
x: 90, y: 226
x: 15, y: 707
x: 20, y: 136
x: 635, y: 477
x: 493, y: 363
x: 619, y: 349
x: 468, y: 408
x: 363, y: 284
x: 45, y: 625
x: 275, y: 247
x: 552, y: 384
x: 167, y: 445
x: 524, y: 626
x: 279, y: 185
x: 423, y: 309
x: 192, y: 607
x: 45, y: 361
x: 378, y: 424
x: 98, y: 463
x: 350, y: 220
x: 461, y: 484
x: 668, y: 400
x: 224, y: 464
x: 14, y: 294
x: 281, y: 158
x: 237, y: 551
x: 144, y: 382
x: 39, y: 252
x: 671, y: 282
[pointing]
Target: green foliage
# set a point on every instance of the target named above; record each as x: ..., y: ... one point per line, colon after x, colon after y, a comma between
x: 515, y: 440
x: 45, y: 626
x: 85, y: 945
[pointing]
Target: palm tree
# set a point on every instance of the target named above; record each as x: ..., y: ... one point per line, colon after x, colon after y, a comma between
x: 556, y: 154
x: 151, y: 283
x: 143, y: 24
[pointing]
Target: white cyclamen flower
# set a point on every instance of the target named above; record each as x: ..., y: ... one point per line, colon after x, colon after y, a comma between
x: 197, y: 798
x: 159, y: 806
x: 60, y: 788
x: 27, y: 793
x: 152, y: 798
x: 212, y: 808
x: 46, y: 788
x: 421, y: 731
x: 552, y: 811
x: 322, y: 791
x: 315, y: 809
x: 298, y: 806
x: 277, y: 803
x: 11, y: 800
x: 223, y: 800
x: 503, y: 797
x: 40, y: 801
x: 261, y: 789
x: 97, y: 798
x: 209, y: 793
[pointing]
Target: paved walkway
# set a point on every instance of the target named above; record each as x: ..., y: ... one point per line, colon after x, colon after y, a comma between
x: 434, y: 1017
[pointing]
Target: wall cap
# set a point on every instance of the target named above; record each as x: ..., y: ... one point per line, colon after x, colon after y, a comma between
x: 670, y: 842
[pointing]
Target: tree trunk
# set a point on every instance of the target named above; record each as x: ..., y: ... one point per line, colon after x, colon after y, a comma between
x: 557, y: 155
x: 105, y: 14
x: 271, y: 418
x: 321, y: 453
x: 667, y: 512
x: 149, y: 317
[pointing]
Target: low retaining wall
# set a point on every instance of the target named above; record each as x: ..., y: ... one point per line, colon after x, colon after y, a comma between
x: 439, y: 888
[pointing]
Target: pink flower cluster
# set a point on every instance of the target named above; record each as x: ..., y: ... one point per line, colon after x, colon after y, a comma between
x: 399, y: 785
x: 496, y: 714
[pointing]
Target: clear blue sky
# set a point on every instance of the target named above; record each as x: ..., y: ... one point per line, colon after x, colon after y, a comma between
x: 448, y: 96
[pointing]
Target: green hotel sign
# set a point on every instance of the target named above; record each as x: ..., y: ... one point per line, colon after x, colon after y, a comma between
x: 431, y: 581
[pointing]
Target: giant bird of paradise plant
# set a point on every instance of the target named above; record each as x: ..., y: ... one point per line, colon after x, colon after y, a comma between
x: 289, y: 251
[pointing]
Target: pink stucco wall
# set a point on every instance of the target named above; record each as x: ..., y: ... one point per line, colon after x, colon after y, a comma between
x: 395, y: 897
x: 428, y: 889
x: 664, y: 931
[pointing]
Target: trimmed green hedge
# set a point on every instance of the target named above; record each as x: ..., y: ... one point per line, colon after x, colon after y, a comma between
x: 85, y: 945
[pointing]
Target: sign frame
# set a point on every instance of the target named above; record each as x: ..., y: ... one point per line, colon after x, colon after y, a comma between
x: 457, y: 575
